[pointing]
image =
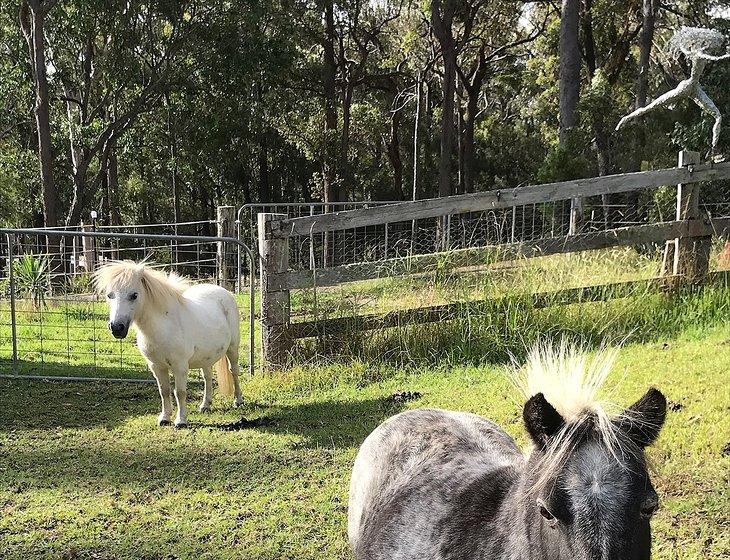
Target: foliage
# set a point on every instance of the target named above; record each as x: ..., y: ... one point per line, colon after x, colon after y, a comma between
x: 32, y: 277
x: 227, y: 101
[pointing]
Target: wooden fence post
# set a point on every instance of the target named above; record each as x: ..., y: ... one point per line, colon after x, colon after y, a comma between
x: 274, y: 253
x: 691, y: 254
x: 226, y: 259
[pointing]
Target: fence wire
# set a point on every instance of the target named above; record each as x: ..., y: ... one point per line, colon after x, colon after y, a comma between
x: 53, y: 324
x: 475, y: 279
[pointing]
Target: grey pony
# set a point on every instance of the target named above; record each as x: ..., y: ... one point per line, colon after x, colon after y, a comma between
x: 437, y: 485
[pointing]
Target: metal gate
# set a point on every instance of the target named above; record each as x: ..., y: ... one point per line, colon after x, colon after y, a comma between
x: 53, y: 325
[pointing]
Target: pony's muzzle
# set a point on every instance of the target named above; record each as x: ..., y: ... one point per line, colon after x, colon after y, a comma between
x: 119, y: 329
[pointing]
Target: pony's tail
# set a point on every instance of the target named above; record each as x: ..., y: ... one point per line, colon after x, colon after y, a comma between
x: 225, y: 377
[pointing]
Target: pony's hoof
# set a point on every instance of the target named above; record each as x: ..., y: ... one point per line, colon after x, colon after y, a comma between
x: 181, y: 425
x: 204, y: 408
x: 238, y: 402
x: 163, y: 422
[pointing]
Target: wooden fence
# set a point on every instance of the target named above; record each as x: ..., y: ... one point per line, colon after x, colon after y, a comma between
x: 688, y: 241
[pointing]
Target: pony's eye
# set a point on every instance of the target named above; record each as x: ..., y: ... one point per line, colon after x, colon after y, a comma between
x: 133, y: 296
x: 649, y: 510
x: 545, y: 512
x: 110, y: 296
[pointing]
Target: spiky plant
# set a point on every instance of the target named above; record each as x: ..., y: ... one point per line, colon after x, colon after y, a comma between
x: 32, y: 277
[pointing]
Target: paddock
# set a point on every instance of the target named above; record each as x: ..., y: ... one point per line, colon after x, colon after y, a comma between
x: 93, y: 476
x: 371, y: 325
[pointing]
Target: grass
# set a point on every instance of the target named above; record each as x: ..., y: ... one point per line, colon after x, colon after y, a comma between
x: 69, y: 336
x: 86, y: 473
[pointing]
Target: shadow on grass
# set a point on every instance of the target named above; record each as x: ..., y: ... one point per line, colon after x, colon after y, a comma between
x: 64, y: 369
x: 329, y: 423
x: 38, y: 404
x: 33, y: 417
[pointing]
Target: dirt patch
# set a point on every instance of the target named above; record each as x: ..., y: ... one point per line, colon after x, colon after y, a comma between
x: 242, y: 424
x: 404, y: 396
x: 675, y: 406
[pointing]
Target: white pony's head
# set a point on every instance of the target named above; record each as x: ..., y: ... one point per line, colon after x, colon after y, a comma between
x: 130, y: 288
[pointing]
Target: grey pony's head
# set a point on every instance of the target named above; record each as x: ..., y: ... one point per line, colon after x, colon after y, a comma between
x: 591, y: 483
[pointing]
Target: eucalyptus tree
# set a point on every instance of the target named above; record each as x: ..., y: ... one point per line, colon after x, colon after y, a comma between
x: 114, y: 64
x: 33, y: 15
x: 498, y: 33
x: 570, y: 63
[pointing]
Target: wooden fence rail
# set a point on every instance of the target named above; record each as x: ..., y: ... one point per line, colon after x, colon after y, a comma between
x: 463, y: 258
x: 503, y: 198
x: 688, y: 245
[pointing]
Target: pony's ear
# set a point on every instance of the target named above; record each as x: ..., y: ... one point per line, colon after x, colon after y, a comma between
x: 541, y: 419
x: 643, y: 420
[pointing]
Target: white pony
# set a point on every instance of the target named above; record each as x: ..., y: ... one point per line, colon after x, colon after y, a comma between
x: 179, y: 326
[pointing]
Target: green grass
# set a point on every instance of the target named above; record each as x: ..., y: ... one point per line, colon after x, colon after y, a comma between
x: 69, y: 336
x: 86, y: 473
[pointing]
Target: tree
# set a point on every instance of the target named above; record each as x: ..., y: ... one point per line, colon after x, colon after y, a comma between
x: 442, y: 21
x: 33, y: 14
x: 491, y: 49
x: 570, y: 89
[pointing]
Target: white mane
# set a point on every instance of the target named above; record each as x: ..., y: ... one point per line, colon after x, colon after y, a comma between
x: 569, y: 378
x: 160, y: 287
x: 572, y: 381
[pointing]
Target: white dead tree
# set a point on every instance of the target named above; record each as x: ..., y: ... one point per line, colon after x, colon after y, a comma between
x: 697, y: 44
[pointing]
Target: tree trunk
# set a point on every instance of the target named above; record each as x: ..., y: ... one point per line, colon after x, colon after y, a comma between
x: 264, y: 182
x: 344, y: 174
x: 331, y: 190
x: 32, y: 20
x: 605, y: 167
x: 459, y: 149
x: 417, y: 137
x: 646, y: 40
x: 428, y: 148
x: 447, y: 122
x: 469, y: 125
x: 569, y: 67
x: 115, y: 215
x: 394, y: 155
x: 570, y: 89
x: 173, y: 155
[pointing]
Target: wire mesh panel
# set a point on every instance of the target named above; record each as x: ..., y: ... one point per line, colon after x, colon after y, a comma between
x: 53, y: 324
x: 463, y: 254
x: 453, y: 232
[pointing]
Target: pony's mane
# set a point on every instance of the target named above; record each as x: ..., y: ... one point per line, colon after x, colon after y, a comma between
x: 160, y: 287
x: 572, y: 381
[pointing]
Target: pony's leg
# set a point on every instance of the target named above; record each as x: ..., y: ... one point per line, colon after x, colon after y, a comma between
x: 181, y: 394
x: 162, y: 375
x: 208, y: 391
x: 704, y: 101
x: 232, y: 355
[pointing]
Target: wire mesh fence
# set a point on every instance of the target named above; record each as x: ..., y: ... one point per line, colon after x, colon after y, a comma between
x: 471, y: 229
x: 53, y: 324
x: 479, y: 275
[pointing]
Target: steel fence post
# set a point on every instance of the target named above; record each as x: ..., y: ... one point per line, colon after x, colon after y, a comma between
x: 13, y: 321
